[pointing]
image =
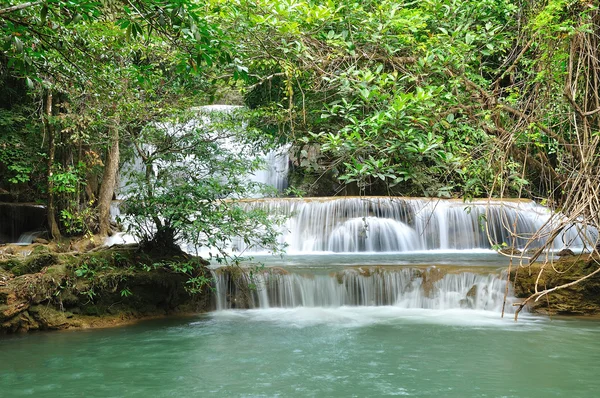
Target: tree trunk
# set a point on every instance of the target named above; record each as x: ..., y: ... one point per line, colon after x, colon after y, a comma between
x: 52, y: 224
x: 109, y: 179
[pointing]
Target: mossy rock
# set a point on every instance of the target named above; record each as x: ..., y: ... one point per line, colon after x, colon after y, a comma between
x: 34, y: 263
x: 60, y: 269
x: 4, y: 274
x: 40, y: 249
x: 582, y: 298
x: 472, y: 292
x: 121, y: 287
x: 90, y: 310
x: 565, y: 253
x: 511, y: 251
x: 9, y: 264
x: 50, y: 318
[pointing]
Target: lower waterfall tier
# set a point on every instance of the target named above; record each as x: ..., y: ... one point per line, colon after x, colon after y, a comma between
x: 428, y: 288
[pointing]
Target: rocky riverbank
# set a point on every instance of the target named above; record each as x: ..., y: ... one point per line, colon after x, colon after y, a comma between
x: 50, y: 290
x: 582, y: 298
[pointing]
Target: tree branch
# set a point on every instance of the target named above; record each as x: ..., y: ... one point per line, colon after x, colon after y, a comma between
x: 20, y: 7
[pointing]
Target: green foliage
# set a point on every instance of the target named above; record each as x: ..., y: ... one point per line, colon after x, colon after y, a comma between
x: 68, y: 185
x: 106, y: 65
x: 438, y: 98
x: 19, y: 158
x: 378, y: 95
x: 191, y: 187
x: 194, y: 269
x: 103, y: 272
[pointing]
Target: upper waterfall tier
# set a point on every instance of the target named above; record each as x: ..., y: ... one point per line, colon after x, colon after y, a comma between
x: 388, y: 224
x: 221, y: 124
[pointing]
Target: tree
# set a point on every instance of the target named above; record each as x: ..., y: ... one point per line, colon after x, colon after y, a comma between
x: 190, y: 185
x: 368, y: 84
x: 109, y: 68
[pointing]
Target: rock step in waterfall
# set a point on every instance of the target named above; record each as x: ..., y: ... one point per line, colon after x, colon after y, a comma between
x: 395, y: 224
x: 426, y: 288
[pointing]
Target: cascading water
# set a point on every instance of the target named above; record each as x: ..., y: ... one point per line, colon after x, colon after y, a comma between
x: 273, y: 174
x: 429, y: 288
x: 399, y: 227
x: 27, y: 238
x: 381, y: 225
x: 386, y: 224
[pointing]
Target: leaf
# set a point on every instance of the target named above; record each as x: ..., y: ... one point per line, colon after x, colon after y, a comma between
x: 18, y: 45
x: 44, y: 14
x: 469, y: 38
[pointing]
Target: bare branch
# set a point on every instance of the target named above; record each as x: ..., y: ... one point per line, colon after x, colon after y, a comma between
x: 20, y: 7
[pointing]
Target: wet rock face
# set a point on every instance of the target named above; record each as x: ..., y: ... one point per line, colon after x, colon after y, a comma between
x: 16, y: 219
x: 582, y: 298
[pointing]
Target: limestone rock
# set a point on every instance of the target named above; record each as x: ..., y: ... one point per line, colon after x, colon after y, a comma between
x: 49, y: 318
x: 565, y: 253
x: 512, y: 251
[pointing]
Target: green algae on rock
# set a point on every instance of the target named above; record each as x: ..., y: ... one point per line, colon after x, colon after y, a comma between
x: 52, y: 291
x: 582, y: 298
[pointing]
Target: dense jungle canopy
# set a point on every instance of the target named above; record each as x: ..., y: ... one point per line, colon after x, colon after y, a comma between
x: 448, y: 98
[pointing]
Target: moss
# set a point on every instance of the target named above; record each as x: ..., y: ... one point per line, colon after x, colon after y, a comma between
x: 60, y: 269
x: 4, y: 274
x: 9, y: 264
x: 50, y: 318
x: 582, y: 298
x: 82, y: 289
x: 40, y: 249
x: 35, y: 263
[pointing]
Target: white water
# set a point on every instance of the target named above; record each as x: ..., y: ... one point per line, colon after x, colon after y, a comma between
x: 409, y: 288
x: 367, y: 316
x: 388, y: 224
x: 380, y: 225
x: 275, y: 172
x: 27, y: 238
x: 276, y: 162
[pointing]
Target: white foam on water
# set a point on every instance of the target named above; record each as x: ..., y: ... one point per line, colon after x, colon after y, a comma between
x: 120, y: 238
x: 358, y: 317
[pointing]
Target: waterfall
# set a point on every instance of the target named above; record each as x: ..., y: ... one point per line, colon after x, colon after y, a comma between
x: 17, y: 220
x: 27, y: 238
x: 430, y: 288
x: 276, y: 161
x: 276, y: 169
x: 388, y: 224
x: 273, y: 174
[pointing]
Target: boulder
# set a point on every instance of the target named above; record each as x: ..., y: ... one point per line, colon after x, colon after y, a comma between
x: 565, y: 253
